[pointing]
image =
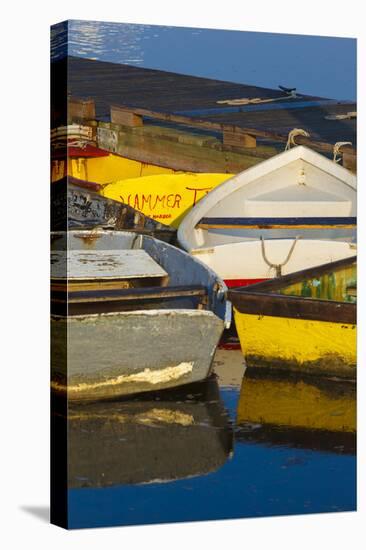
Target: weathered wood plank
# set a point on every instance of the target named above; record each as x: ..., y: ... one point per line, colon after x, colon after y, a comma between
x: 65, y: 301
x: 201, y: 99
x: 235, y: 139
x: 197, y: 122
x: 293, y: 307
x: 83, y: 109
x: 177, y: 154
x: 96, y: 285
x: 159, y: 293
x: 127, y: 118
x: 349, y: 160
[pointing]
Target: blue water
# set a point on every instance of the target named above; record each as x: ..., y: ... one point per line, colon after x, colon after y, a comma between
x: 257, y: 482
x: 258, y: 478
x: 315, y: 65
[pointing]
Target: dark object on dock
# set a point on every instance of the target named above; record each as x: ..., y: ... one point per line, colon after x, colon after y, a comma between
x: 87, y: 209
x: 288, y: 91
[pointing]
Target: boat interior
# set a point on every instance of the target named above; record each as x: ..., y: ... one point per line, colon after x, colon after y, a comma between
x: 106, y: 271
x: 319, y: 203
x: 334, y: 282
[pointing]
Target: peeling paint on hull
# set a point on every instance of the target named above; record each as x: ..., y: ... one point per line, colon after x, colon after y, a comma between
x: 110, y: 355
x: 148, y: 376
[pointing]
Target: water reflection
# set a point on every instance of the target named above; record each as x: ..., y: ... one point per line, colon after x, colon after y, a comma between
x: 170, y: 457
x: 295, y: 411
x: 155, y: 438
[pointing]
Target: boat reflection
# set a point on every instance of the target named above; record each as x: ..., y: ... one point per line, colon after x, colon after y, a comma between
x: 153, y: 438
x: 297, y: 412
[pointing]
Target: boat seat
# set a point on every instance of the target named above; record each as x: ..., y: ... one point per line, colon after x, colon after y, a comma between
x: 105, y: 269
x: 98, y: 301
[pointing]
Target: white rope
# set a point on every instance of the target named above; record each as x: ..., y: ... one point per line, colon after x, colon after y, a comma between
x: 80, y: 143
x: 256, y: 100
x: 349, y: 115
x: 337, y: 155
x: 278, y: 267
x: 291, y: 137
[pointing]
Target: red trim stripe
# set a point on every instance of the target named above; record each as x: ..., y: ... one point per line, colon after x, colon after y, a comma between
x: 89, y: 151
x: 233, y: 283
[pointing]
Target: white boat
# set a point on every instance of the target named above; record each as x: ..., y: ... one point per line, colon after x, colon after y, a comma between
x: 290, y: 212
x: 130, y: 314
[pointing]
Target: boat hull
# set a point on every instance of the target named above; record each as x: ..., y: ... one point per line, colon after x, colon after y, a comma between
x: 303, y: 345
x: 101, y: 167
x: 164, y: 197
x: 116, y: 354
x: 243, y: 264
x: 317, y: 194
x: 76, y: 206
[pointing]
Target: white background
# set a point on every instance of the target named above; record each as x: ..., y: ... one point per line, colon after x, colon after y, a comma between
x: 24, y: 219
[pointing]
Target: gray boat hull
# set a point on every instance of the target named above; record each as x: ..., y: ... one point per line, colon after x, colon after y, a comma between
x: 116, y: 354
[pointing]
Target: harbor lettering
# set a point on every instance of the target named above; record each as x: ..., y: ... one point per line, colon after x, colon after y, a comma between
x: 152, y: 202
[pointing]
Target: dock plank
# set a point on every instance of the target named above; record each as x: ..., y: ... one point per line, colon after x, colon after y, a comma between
x: 184, y: 101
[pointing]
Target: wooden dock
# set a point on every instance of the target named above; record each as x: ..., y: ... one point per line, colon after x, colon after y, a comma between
x: 198, y: 124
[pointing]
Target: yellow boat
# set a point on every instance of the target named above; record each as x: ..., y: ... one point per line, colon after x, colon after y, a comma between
x: 160, y: 193
x: 305, y: 321
x: 164, y: 197
x: 99, y: 166
x: 298, y: 410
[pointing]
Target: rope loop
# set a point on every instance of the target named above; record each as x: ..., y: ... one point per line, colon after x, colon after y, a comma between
x: 337, y: 155
x: 278, y: 267
x: 291, y: 137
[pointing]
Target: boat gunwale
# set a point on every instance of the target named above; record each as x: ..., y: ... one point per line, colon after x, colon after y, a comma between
x: 138, y: 312
x: 278, y: 222
x: 296, y: 277
x: 258, y: 298
x: 70, y: 304
x: 294, y: 307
